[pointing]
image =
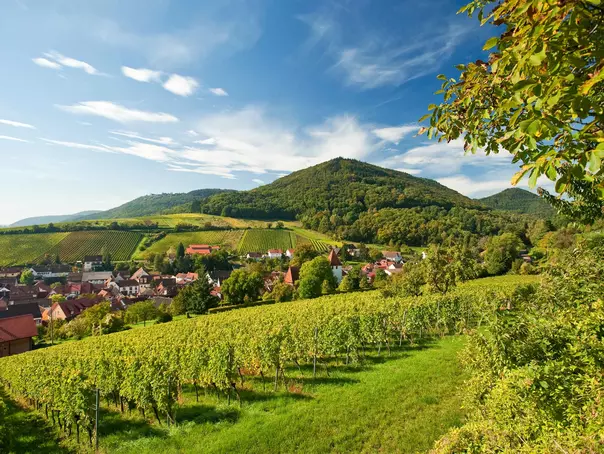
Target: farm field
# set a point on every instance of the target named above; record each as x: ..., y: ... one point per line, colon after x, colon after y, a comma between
x: 226, y: 238
x: 261, y: 240
x: 76, y: 245
x: 26, y: 248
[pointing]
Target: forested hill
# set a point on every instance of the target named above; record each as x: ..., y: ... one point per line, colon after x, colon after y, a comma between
x: 38, y: 220
x: 519, y: 201
x: 343, y: 187
x: 158, y: 204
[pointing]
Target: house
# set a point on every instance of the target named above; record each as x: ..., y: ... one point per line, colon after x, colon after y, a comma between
x: 159, y: 300
x: 354, y: 252
x: 97, y: 277
x: 144, y: 282
x: 186, y: 278
x: 275, y: 253
x: 271, y: 280
x: 16, y: 334
x: 166, y: 287
x: 292, y: 275
x: 141, y: 272
x: 289, y: 253
x: 336, y: 265
x: 11, y: 273
x: 70, y: 309
x: 393, y: 256
x: 393, y: 271
x: 253, y: 256
x: 74, y: 277
x: 50, y: 271
x: 92, y: 262
x: 17, y: 310
x: 217, y: 277
x: 201, y: 249
x: 395, y: 266
x: 128, y: 287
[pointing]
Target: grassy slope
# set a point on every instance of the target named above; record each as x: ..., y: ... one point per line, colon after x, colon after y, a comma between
x: 397, y: 403
x: 27, y: 432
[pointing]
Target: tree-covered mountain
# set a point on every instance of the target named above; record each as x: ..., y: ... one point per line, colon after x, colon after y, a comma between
x: 345, y: 188
x: 519, y: 201
x: 40, y: 220
x: 153, y: 204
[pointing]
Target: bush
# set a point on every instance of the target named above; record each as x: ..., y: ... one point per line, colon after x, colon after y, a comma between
x: 163, y: 317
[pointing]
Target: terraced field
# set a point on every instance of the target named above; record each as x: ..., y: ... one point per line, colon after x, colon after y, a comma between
x: 25, y: 249
x: 76, y: 245
x: 226, y: 238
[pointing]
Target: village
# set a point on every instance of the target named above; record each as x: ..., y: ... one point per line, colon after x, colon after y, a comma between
x: 34, y: 298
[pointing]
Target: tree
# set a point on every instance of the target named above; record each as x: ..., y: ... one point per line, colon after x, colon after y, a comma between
x: 158, y: 262
x: 375, y: 255
x: 500, y: 253
x: 242, y: 285
x: 280, y: 225
x: 57, y: 259
x: 439, y: 269
x: 364, y: 282
x: 95, y: 316
x: 346, y: 285
x: 27, y: 277
x: 380, y: 279
x: 106, y: 259
x: 282, y: 292
x: 407, y: 283
x: 304, y: 252
x: 180, y: 251
x: 540, y: 96
x: 177, y: 307
x: 141, y: 312
x: 195, y: 298
x: 354, y: 276
x: 312, y: 275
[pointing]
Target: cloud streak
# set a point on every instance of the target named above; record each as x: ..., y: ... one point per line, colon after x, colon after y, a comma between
x: 16, y: 124
x: 14, y: 139
x: 142, y: 74
x: 181, y: 85
x: 117, y: 112
x: 56, y: 60
x: 219, y: 92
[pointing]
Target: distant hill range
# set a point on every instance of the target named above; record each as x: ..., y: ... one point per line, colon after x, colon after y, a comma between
x: 41, y: 220
x: 519, y: 201
x: 154, y: 204
x: 340, y: 185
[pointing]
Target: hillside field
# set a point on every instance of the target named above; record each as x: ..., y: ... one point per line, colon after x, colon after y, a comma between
x: 23, y: 249
x: 226, y: 238
x: 32, y: 248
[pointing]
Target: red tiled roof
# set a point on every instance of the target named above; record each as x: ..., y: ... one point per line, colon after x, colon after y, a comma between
x: 292, y: 275
x: 20, y: 327
x: 202, y: 249
x: 334, y: 260
x: 275, y: 251
x: 73, y: 308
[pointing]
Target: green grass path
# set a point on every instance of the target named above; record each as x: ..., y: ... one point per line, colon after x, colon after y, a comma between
x: 398, y: 403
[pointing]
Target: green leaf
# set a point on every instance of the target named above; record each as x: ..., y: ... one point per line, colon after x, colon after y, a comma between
x: 551, y: 173
x: 441, y: 77
x: 537, y: 58
x: 432, y: 106
x: 594, y: 162
x: 544, y: 384
x: 533, y: 178
x: 491, y: 42
x: 424, y: 117
x: 594, y: 2
x: 533, y: 127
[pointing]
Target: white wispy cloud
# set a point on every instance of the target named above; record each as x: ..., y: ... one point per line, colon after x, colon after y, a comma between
x: 56, y: 60
x: 181, y: 85
x: 117, y: 112
x: 396, y: 133
x: 134, y: 135
x: 192, y: 133
x: 142, y: 74
x: 82, y: 146
x: 209, y: 141
x: 473, y: 187
x: 442, y: 158
x: 409, y: 171
x: 14, y: 139
x: 218, y: 171
x: 46, y: 63
x: 219, y: 92
x: 17, y: 124
x: 373, y: 58
x: 258, y: 181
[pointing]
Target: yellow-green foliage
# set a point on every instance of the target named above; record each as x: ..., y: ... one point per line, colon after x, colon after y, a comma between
x: 145, y: 366
x: 25, y: 249
x: 261, y: 240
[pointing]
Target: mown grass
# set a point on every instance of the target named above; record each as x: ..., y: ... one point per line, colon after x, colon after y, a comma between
x: 23, y: 432
x: 397, y: 403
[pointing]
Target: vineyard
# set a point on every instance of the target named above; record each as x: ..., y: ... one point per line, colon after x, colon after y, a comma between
x: 261, y: 240
x: 226, y: 238
x: 76, y: 245
x: 147, y: 368
x: 26, y: 248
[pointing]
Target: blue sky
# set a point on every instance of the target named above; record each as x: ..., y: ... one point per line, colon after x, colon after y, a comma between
x: 105, y: 100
